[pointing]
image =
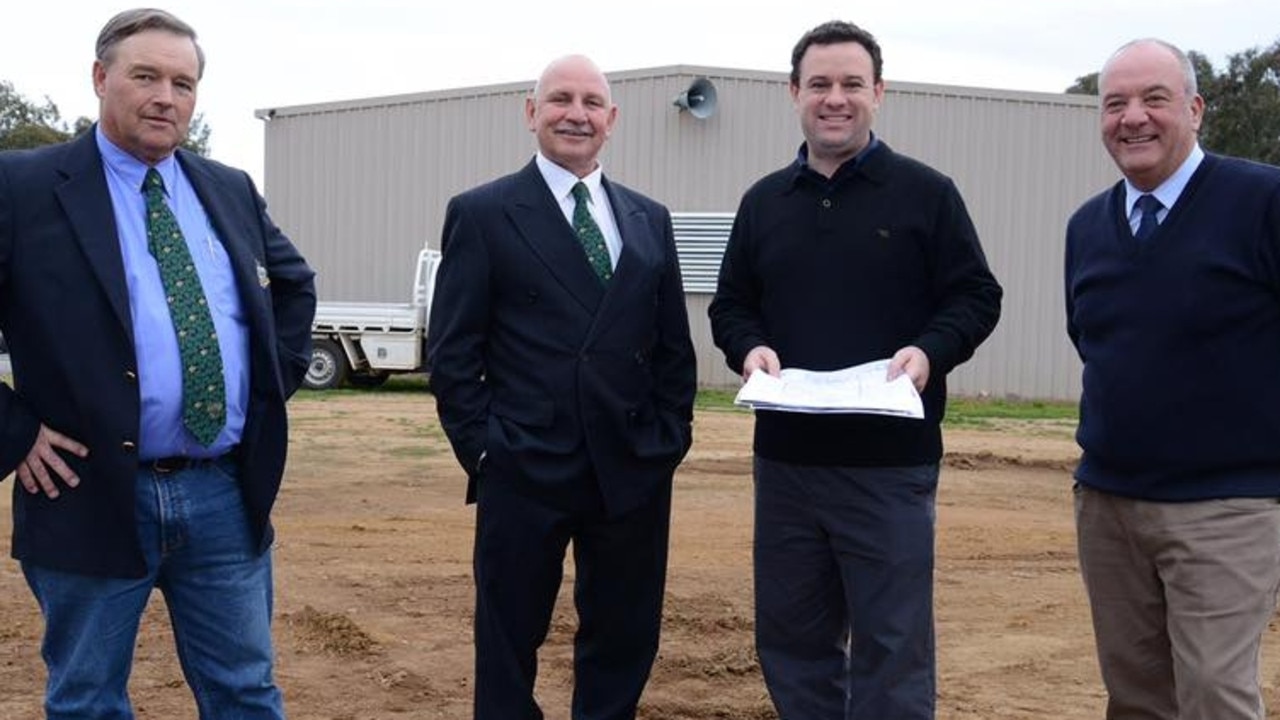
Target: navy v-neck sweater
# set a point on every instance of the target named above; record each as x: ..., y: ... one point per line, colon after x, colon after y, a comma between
x: 1180, y: 338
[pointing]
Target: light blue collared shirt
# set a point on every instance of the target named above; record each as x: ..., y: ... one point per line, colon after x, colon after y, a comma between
x: 1166, y: 192
x: 154, y: 340
x: 561, y: 183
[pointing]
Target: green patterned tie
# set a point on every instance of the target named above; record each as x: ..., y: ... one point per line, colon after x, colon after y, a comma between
x: 589, y: 234
x: 204, y: 410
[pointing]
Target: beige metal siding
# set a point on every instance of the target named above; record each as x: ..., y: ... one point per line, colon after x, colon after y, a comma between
x: 361, y: 185
x: 1023, y: 163
x: 696, y: 165
x: 361, y: 189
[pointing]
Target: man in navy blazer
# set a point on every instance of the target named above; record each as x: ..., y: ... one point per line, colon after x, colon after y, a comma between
x: 114, y: 494
x: 567, y: 393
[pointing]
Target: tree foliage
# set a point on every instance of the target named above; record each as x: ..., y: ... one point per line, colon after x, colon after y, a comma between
x: 25, y: 124
x: 198, y: 136
x: 31, y: 135
x: 1084, y: 85
x: 1242, y: 107
x: 1242, y: 102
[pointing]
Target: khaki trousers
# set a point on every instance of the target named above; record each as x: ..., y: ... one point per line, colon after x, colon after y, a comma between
x: 1181, y: 594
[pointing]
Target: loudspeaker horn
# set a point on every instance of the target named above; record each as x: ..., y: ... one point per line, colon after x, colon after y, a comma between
x: 699, y: 99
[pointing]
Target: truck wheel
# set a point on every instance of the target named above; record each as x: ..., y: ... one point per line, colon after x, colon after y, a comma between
x: 371, y: 379
x: 328, y: 367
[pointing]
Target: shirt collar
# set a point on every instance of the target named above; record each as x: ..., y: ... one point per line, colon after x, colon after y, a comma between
x: 561, y: 181
x: 1171, y: 189
x: 846, y: 169
x: 129, y: 169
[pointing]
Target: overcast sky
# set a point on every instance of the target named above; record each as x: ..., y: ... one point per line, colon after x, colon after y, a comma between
x: 273, y: 53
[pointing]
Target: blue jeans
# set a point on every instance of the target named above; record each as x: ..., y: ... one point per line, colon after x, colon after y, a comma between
x: 201, y: 555
x: 844, y: 590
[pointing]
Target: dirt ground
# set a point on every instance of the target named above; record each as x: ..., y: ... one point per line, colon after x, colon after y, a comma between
x: 374, y: 595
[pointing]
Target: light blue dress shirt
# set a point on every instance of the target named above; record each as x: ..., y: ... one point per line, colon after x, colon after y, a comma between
x: 155, y: 342
x: 1167, y: 192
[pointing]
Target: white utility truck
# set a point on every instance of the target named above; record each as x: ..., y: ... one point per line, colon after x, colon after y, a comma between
x: 361, y: 344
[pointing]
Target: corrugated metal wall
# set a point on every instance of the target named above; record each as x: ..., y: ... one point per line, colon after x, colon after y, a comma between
x: 1024, y: 163
x: 361, y: 185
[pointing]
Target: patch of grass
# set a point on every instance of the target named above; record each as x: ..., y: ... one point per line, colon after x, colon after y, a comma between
x: 988, y: 412
x: 961, y: 411
x: 1012, y: 409
x: 717, y: 399
x: 707, y: 399
x: 410, y: 382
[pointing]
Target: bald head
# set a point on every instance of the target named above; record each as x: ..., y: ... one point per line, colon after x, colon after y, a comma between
x: 572, y: 113
x: 570, y: 63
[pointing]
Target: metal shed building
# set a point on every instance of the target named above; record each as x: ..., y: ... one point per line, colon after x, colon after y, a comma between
x: 361, y: 185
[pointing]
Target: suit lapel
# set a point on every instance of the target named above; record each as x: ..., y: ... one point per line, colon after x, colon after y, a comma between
x: 637, y: 257
x: 538, y: 220
x: 634, y: 229
x: 87, y: 203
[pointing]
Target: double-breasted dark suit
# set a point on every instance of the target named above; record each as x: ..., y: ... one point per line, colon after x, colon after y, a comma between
x: 64, y: 309
x: 578, y: 394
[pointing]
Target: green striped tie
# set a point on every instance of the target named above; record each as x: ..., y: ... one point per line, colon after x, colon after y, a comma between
x: 204, y: 409
x: 589, y: 234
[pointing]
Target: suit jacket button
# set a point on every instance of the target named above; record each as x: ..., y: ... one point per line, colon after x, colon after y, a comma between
x: 128, y: 446
x: 130, y: 376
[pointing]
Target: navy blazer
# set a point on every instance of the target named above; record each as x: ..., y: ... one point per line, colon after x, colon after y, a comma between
x: 543, y: 368
x: 64, y: 310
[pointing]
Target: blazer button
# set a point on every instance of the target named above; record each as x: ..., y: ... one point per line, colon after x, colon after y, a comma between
x: 130, y: 376
x: 128, y: 446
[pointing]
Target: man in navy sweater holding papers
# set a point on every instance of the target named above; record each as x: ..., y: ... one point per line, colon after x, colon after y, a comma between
x: 851, y: 253
x: 1173, y: 302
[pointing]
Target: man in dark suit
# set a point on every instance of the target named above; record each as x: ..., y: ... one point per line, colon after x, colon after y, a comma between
x: 130, y: 477
x: 564, y: 376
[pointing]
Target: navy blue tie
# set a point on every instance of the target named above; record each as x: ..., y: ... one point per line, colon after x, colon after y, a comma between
x: 1147, y: 225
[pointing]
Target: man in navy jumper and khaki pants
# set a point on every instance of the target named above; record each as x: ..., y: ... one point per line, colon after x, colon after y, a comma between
x: 1177, y: 320
x: 851, y: 253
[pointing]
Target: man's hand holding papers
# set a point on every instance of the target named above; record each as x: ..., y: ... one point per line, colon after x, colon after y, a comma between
x: 858, y: 389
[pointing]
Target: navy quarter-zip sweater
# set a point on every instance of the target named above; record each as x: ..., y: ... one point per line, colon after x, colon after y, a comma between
x: 1180, y: 338
x: 836, y: 272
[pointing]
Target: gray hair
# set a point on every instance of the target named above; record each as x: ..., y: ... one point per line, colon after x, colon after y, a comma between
x: 132, y: 22
x: 1188, y: 70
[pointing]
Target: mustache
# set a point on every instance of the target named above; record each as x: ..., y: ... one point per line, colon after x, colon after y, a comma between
x: 574, y: 129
